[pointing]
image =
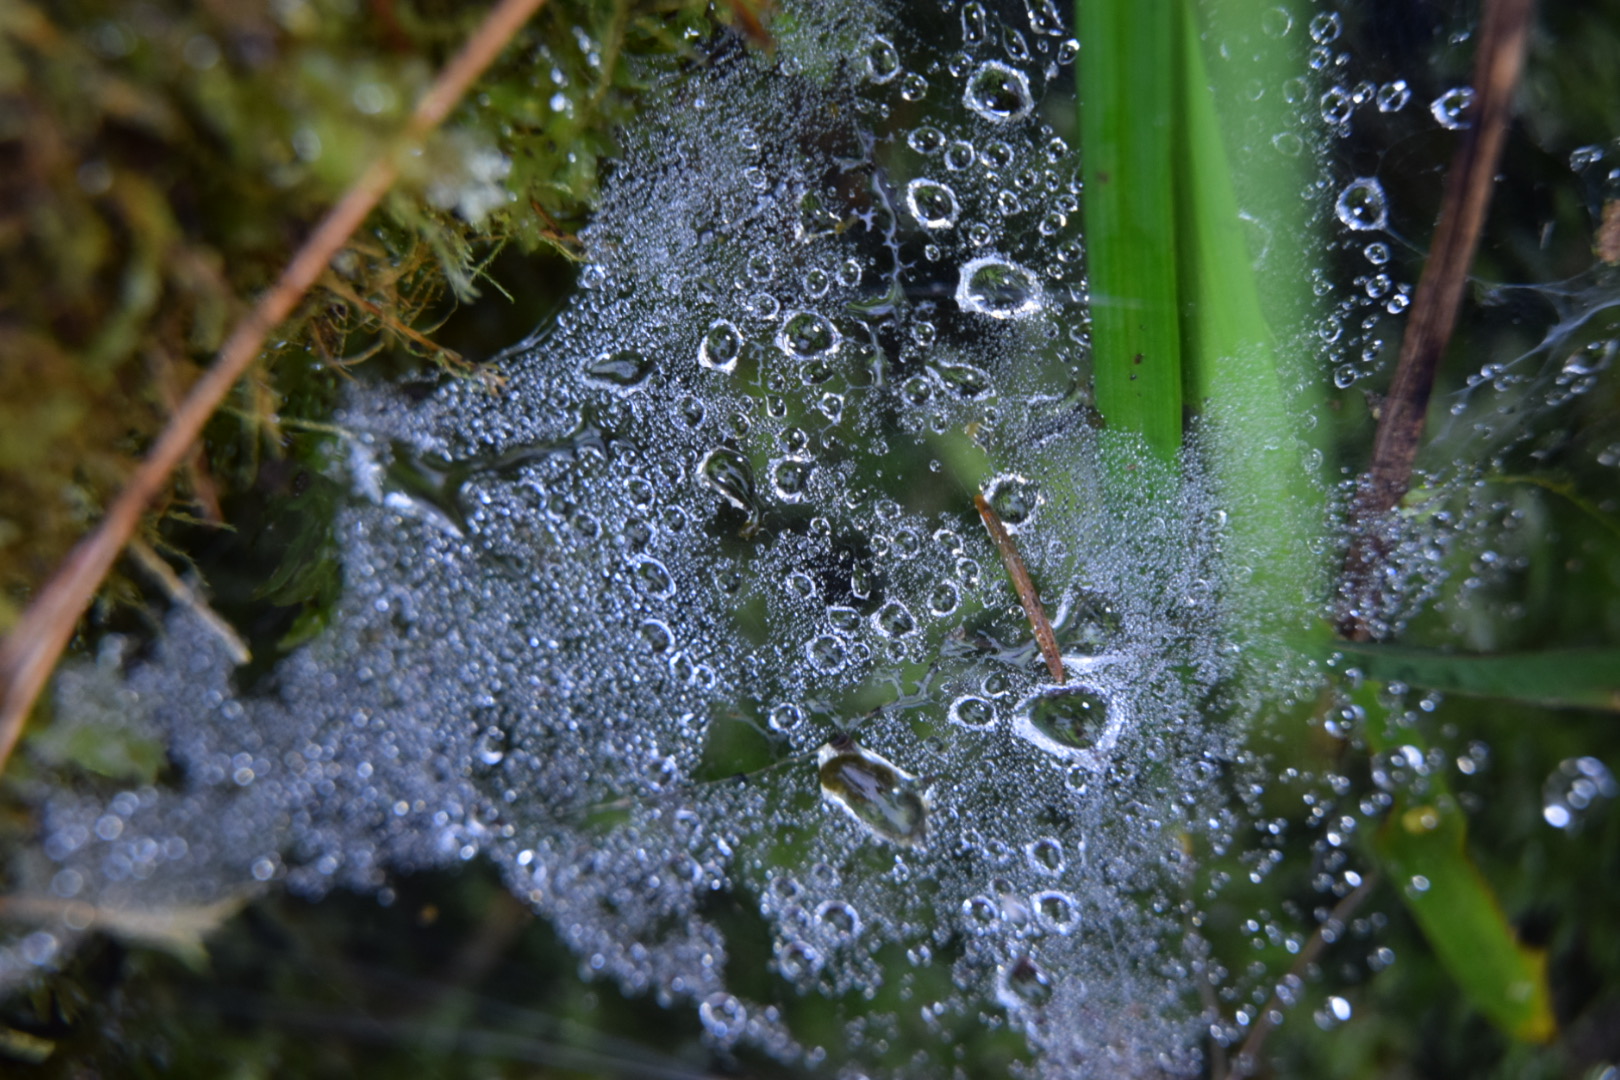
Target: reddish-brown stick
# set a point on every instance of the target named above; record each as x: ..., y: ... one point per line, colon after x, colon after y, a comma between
x: 1044, y: 637
x: 30, y: 652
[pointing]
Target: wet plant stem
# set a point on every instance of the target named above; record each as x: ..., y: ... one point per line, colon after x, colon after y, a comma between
x: 30, y: 652
x: 1504, y: 28
x: 1027, y: 596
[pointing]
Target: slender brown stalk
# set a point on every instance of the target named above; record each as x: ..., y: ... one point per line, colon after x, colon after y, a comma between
x: 1027, y: 596
x: 34, y: 645
x: 1503, y: 29
x: 1248, y: 1056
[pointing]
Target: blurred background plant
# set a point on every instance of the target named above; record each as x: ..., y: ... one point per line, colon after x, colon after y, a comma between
x: 159, y: 164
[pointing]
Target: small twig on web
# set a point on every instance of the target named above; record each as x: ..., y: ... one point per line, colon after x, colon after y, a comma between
x: 1503, y: 29
x: 187, y: 597
x: 1027, y: 596
x: 31, y: 650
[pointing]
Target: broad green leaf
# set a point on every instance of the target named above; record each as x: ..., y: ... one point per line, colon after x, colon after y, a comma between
x: 1422, y: 845
x: 1580, y: 678
x: 1127, y: 127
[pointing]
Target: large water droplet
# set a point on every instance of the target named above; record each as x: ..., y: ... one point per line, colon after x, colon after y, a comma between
x: 805, y: 334
x: 932, y: 203
x: 972, y: 711
x: 1362, y: 205
x: 1055, y: 911
x: 624, y: 369
x: 999, y: 288
x: 882, y: 59
x: 1449, y: 108
x: 1045, y: 856
x: 873, y: 791
x: 893, y: 620
x: 1022, y: 985
x: 729, y: 473
x: 790, y: 477
x: 1069, y: 721
x: 720, y: 348
x: 999, y: 92
x: 1014, y: 498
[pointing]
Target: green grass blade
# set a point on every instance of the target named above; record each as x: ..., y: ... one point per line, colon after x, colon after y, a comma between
x: 1422, y: 845
x: 1579, y: 678
x: 1235, y: 374
x: 1422, y: 849
x: 1127, y: 106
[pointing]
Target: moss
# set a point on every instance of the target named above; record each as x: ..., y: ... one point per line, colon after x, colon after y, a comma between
x: 160, y: 164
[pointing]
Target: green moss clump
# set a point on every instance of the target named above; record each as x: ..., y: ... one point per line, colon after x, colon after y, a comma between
x: 160, y: 164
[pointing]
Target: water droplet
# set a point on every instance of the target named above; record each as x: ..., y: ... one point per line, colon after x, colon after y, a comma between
x: 1326, y: 27
x: 873, y: 791
x: 1337, y: 105
x: 805, y: 334
x: 491, y: 747
x: 959, y: 155
x: 1014, y: 498
x: 999, y: 288
x: 724, y: 1017
x: 1393, y: 96
x: 1449, y: 107
x: 1065, y: 720
x: 720, y: 348
x: 882, y: 59
x: 826, y: 653
x: 790, y: 477
x: 999, y: 92
x: 623, y: 369
x: 1055, y: 910
x: 943, y: 599
x: 975, y: 24
x: 1362, y: 206
x: 1045, y: 856
x: 926, y: 140
x: 1043, y: 17
x: 968, y: 381
x: 1021, y: 984
x: 982, y: 914
x: 785, y: 717
x: 894, y: 620
x: 657, y: 634
x: 972, y: 711
x: 726, y: 471
x: 654, y: 578
x: 932, y: 204
x: 1276, y: 22
x: 840, y: 919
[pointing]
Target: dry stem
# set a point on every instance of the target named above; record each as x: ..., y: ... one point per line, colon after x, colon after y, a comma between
x: 34, y: 645
x: 1503, y: 30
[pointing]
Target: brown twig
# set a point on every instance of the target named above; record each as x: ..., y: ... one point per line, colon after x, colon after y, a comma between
x: 1027, y: 596
x: 1248, y: 1055
x: 32, y: 649
x: 1503, y: 29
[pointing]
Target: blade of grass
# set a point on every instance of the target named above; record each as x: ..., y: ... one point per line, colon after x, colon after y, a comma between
x: 1576, y: 678
x: 1422, y: 846
x: 1234, y: 371
x: 1127, y: 106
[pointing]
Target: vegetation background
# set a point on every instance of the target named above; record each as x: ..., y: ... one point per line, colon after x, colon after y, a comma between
x: 160, y: 162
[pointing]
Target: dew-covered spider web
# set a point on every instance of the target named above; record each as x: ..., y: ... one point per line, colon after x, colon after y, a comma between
x: 692, y: 628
